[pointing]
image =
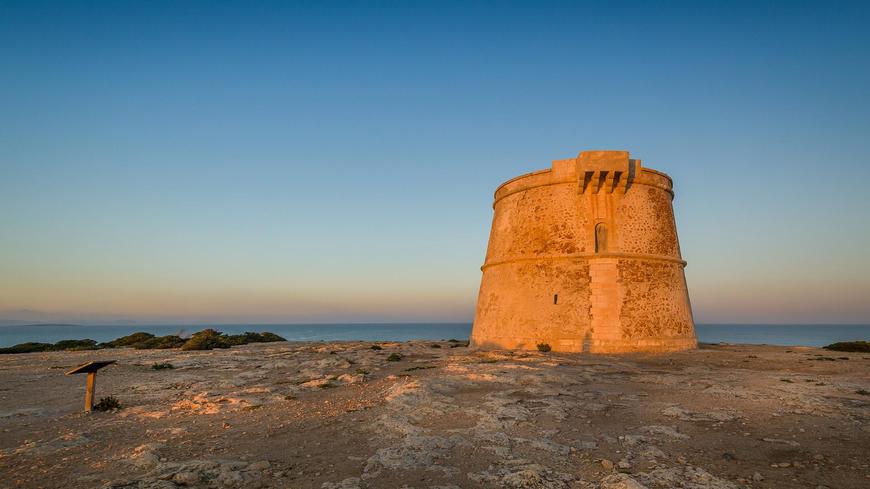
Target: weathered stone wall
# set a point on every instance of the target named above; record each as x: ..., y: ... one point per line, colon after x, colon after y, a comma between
x: 585, y: 257
x: 529, y: 310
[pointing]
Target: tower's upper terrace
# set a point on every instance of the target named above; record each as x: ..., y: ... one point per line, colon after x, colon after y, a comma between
x: 594, y: 171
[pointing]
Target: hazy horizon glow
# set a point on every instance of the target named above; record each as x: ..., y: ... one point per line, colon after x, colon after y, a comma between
x: 304, y: 162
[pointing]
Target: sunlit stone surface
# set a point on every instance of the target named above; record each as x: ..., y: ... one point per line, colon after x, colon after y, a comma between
x: 585, y: 257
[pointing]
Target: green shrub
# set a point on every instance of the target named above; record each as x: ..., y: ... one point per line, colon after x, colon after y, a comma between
x: 29, y: 347
x: 108, y: 404
x: 854, y: 346
x: 544, y: 347
x: 434, y: 345
x: 377, y: 347
x: 249, y: 337
x: 75, y: 345
x: 207, y: 339
x: 62, y: 345
x: 160, y: 343
x: 394, y: 357
x: 129, y: 340
x: 233, y: 340
x: 267, y: 337
x: 162, y: 366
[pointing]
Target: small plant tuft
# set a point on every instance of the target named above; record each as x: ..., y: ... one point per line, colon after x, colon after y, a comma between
x: 862, y: 392
x: 434, y: 345
x: 110, y: 403
x: 419, y: 367
x: 377, y: 347
x: 394, y: 357
x: 544, y: 347
x: 162, y: 366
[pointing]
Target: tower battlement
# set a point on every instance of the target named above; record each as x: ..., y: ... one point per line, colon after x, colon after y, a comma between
x: 584, y: 256
x: 595, y: 170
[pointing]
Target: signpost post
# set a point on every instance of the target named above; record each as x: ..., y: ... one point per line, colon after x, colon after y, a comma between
x: 90, y: 368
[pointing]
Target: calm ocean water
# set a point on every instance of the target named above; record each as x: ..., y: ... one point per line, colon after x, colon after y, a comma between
x: 808, y: 335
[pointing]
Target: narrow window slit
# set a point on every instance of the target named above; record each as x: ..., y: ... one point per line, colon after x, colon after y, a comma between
x: 600, y: 238
x: 555, y: 298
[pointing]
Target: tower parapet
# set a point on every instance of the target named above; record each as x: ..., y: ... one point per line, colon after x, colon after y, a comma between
x: 584, y: 256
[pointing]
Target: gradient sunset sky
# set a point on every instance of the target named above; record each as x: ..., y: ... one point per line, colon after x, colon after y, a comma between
x: 174, y: 162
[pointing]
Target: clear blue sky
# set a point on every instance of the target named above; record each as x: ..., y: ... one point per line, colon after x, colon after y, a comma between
x: 335, y: 161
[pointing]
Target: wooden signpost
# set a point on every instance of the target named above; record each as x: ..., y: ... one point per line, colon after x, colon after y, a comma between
x: 90, y: 368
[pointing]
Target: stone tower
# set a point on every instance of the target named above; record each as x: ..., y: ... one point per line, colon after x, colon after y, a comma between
x: 584, y: 257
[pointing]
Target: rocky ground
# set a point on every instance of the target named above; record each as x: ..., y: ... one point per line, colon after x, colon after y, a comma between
x: 341, y: 416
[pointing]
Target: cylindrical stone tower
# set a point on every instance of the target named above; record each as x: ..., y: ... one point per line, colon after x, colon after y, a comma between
x: 584, y: 257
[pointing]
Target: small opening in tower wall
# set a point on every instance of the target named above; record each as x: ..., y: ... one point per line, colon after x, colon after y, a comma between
x: 555, y: 298
x: 600, y: 238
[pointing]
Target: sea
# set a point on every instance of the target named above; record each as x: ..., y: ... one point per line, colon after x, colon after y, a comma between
x: 770, y: 334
